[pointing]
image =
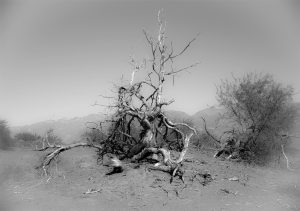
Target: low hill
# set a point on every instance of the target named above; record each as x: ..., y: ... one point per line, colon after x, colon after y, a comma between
x: 212, y: 115
x: 178, y: 116
x: 69, y: 130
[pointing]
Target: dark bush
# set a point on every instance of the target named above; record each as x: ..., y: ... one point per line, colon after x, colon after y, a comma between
x: 26, y: 139
x: 5, y: 139
x: 260, y: 109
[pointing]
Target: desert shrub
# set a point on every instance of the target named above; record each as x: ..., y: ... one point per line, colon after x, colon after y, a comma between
x: 5, y: 139
x: 26, y: 139
x: 203, y: 140
x: 93, y: 136
x: 260, y: 109
x: 52, y: 138
x: 32, y: 140
x: 27, y: 136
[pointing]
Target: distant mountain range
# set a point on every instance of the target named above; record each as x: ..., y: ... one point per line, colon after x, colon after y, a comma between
x: 70, y: 130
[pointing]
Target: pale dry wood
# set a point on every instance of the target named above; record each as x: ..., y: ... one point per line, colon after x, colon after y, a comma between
x: 58, y: 149
x: 286, y: 158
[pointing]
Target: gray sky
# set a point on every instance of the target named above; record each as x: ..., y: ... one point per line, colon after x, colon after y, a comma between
x: 56, y: 57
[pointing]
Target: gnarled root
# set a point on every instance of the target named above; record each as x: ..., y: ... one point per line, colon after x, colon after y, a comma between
x: 174, y: 170
x: 168, y: 164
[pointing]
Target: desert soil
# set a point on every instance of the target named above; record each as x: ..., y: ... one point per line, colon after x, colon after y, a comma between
x: 210, y: 184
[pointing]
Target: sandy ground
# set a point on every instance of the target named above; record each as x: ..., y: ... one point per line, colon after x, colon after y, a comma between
x: 138, y: 188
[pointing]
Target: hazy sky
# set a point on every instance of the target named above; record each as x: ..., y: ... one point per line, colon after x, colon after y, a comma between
x: 56, y: 57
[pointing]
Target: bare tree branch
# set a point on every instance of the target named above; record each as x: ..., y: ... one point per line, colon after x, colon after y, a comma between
x: 185, y: 48
x: 182, y: 69
x: 208, y: 133
x: 60, y: 148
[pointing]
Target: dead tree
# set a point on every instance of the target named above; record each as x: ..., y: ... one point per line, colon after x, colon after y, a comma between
x: 140, y: 106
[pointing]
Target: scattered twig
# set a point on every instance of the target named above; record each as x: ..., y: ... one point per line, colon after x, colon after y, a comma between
x: 92, y: 190
x: 233, y: 179
x: 287, y: 160
x: 228, y: 192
